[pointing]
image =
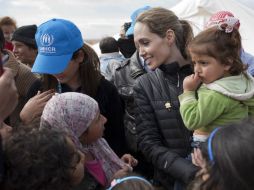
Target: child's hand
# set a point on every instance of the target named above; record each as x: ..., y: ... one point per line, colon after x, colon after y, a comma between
x: 129, y: 159
x: 197, y: 158
x: 122, y: 172
x: 191, y: 82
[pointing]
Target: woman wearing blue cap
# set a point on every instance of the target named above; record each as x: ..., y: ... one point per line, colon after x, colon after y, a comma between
x: 73, y: 66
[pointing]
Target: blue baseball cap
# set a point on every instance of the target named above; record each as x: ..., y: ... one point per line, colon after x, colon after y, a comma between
x: 134, y: 16
x: 57, y: 40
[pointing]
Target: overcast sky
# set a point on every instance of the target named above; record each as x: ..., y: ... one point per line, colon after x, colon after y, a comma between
x: 95, y: 18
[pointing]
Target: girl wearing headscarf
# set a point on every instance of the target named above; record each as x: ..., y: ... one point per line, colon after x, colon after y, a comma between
x: 79, y: 115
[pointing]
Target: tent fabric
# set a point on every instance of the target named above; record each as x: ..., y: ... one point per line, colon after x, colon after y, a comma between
x: 198, y: 12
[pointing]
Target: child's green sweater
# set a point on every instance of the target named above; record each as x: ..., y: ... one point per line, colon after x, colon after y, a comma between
x: 222, y: 102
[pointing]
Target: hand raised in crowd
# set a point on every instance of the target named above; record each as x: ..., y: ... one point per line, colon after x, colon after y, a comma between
x: 5, y: 132
x: 129, y: 159
x: 8, y: 95
x: 130, y: 162
x: 122, y: 172
x: 34, y: 107
x: 197, y: 158
x: 191, y: 82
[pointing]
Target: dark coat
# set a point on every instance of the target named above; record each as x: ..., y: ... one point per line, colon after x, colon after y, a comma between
x: 112, y: 108
x: 125, y: 76
x: 162, y: 136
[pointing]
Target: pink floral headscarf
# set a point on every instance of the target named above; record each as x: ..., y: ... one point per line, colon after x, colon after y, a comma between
x: 73, y: 112
x: 224, y: 20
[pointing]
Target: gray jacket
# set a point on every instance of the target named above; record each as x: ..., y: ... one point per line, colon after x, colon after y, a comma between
x: 124, y: 79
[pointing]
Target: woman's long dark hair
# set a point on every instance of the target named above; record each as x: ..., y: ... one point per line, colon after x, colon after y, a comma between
x: 89, y: 71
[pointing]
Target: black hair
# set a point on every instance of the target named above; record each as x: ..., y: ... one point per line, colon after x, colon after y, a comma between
x: 39, y: 159
x: 232, y: 149
x: 108, y: 45
x: 126, y: 26
x: 224, y: 47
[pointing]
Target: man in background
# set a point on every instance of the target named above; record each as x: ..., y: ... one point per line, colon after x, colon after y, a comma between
x: 25, y: 48
x: 110, y: 57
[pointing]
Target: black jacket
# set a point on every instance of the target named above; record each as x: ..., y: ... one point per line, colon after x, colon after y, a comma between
x: 162, y: 136
x: 112, y: 108
x: 126, y: 75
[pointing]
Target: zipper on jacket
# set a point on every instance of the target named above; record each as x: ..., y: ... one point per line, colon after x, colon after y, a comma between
x: 178, y: 80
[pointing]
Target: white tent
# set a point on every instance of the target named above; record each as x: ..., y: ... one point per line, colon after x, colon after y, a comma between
x: 199, y: 11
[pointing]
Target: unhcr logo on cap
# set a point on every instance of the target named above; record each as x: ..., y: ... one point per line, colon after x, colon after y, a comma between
x: 46, y: 41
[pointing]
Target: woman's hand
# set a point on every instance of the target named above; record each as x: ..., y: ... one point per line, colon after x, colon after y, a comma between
x: 129, y: 159
x: 191, y: 82
x: 35, y: 106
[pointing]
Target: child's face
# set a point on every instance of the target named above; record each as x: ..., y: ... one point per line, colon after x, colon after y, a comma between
x: 208, y: 68
x: 95, y: 130
x: 8, y: 31
x: 78, y: 160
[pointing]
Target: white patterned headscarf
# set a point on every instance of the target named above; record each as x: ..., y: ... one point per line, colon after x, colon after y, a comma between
x: 74, y: 112
x: 223, y: 20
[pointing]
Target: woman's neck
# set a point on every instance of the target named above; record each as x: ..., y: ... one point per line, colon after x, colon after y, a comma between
x: 176, y: 56
x: 74, y: 83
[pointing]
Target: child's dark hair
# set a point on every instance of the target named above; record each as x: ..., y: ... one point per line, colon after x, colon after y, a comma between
x: 233, y: 153
x: 222, y: 46
x: 39, y: 159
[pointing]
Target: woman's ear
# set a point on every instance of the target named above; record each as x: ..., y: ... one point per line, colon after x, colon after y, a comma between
x: 170, y: 35
x: 80, y: 57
